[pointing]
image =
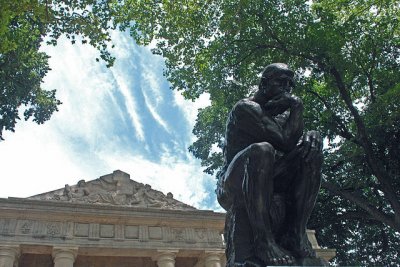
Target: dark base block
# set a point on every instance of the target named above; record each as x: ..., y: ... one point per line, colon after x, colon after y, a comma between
x: 301, y: 262
x: 312, y: 262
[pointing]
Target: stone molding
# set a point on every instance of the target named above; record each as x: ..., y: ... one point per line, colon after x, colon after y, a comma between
x: 35, y: 223
x: 82, y: 232
x: 43, y: 223
x: 89, y: 210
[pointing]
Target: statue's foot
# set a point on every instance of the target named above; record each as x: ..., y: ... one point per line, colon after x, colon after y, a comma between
x: 299, y: 248
x: 312, y: 262
x: 252, y: 262
x: 272, y: 254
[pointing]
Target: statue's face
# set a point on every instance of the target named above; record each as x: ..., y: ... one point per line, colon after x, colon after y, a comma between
x: 276, y: 86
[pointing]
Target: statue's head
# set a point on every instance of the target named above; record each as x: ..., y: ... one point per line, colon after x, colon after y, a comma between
x: 277, y: 75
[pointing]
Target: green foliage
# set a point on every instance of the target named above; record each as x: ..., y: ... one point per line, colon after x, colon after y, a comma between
x: 346, y: 54
x: 24, y: 25
x: 357, y: 240
x: 210, y: 126
x: 22, y: 69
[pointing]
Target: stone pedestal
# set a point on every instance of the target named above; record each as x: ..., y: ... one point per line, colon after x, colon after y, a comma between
x: 8, y: 255
x: 64, y: 257
x: 165, y: 258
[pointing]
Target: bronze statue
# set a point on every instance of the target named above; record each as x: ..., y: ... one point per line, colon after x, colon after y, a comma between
x: 271, y: 175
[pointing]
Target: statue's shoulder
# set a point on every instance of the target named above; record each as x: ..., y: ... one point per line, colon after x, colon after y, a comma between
x: 246, y: 106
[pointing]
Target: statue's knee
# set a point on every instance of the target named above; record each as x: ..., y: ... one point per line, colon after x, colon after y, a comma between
x: 262, y: 150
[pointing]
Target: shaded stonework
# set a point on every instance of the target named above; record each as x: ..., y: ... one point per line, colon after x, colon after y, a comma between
x: 114, y: 189
x: 42, y: 232
x: 112, y: 221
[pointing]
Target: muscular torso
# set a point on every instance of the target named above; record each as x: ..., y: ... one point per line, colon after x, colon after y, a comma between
x: 249, y: 123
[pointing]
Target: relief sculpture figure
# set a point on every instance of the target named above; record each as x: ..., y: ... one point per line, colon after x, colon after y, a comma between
x: 271, y: 176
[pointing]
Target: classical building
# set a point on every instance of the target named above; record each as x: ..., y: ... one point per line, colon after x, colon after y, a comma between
x: 112, y: 221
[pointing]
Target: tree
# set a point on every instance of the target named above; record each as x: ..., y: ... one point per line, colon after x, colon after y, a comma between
x: 24, y: 25
x: 347, y: 56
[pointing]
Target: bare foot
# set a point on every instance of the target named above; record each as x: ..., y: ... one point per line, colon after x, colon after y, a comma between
x: 299, y: 248
x: 252, y: 262
x: 272, y: 254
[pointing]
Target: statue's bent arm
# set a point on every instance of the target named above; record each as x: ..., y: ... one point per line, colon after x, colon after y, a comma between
x: 263, y: 128
x: 294, y: 125
x: 250, y: 119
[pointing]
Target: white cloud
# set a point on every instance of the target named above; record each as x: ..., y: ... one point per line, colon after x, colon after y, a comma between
x: 172, y: 174
x: 78, y: 142
x: 190, y: 109
x: 152, y: 109
x: 151, y: 88
x: 130, y: 103
x: 39, y: 158
x: 123, y: 74
x: 83, y: 97
x: 150, y: 81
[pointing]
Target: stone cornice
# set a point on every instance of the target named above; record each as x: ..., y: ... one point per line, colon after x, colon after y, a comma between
x: 88, y: 210
x: 35, y: 223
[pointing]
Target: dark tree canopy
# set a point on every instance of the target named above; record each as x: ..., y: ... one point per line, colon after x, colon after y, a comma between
x: 346, y: 54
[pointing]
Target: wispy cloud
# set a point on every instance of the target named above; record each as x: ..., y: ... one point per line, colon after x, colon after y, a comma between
x: 152, y: 89
x: 108, y: 119
x: 130, y: 103
x: 124, y: 74
x: 152, y: 109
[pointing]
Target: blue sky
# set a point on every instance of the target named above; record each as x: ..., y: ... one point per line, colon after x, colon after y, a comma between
x: 125, y: 118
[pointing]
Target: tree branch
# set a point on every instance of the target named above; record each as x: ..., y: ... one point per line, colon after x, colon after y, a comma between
x: 252, y: 51
x: 335, y: 166
x: 363, y: 204
x: 376, y: 166
x: 359, y: 215
x: 343, y: 131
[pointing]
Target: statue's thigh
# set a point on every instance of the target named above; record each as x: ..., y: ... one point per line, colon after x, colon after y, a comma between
x: 235, y: 172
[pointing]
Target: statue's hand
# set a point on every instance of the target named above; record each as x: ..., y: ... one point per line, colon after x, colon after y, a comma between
x: 282, y: 102
x: 311, y: 145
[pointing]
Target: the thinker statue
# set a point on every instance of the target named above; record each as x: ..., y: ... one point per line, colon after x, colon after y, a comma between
x: 271, y: 175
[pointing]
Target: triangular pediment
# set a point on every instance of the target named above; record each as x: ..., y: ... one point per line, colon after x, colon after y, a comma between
x: 114, y: 189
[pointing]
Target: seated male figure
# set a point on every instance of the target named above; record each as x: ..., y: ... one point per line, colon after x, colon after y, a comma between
x: 271, y: 175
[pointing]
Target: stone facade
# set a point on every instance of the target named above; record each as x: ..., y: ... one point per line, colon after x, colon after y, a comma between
x: 47, y: 230
x: 115, y: 189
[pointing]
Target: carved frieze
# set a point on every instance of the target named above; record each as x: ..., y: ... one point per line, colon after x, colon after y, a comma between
x: 96, y: 232
x: 143, y: 233
x: 107, y: 231
x: 201, y: 234
x: 81, y: 229
x: 178, y: 234
x: 114, y: 189
x: 119, y: 232
x: 132, y: 231
x: 155, y: 233
x: 7, y: 226
x: 53, y: 229
x: 25, y: 226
